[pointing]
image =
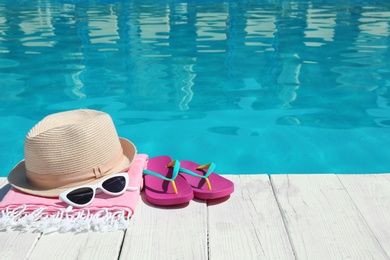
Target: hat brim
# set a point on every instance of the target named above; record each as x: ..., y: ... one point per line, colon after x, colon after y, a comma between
x: 18, y: 179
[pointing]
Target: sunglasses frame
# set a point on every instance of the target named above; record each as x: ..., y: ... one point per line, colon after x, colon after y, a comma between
x: 63, y: 196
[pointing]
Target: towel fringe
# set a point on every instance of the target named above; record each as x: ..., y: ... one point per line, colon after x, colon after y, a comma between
x: 104, y: 220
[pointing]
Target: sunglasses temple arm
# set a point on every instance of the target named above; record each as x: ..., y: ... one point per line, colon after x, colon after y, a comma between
x: 131, y: 188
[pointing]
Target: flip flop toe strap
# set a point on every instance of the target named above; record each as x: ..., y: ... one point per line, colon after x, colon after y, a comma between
x: 210, y: 168
x: 176, y: 166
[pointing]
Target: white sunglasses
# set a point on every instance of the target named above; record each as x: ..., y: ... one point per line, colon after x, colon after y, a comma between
x: 82, y: 196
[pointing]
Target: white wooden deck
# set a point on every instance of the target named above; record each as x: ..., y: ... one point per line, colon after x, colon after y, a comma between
x: 281, y: 217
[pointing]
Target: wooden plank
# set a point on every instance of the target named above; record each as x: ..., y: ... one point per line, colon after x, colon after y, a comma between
x: 327, y: 217
x: 167, y: 232
x: 248, y: 225
x: 14, y: 244
x: 322, y: 220
x: 17, y: 245
x: 88, y: 245
x: 371, y: 195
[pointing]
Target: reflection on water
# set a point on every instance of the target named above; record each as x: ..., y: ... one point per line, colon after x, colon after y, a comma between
x: 325, y: 62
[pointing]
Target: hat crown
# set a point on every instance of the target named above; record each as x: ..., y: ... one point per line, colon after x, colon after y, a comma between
x: 70, y: 149
x: 69, y: 142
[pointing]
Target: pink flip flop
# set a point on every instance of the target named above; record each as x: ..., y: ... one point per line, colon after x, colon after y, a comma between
x: 163, y: 185
x: 205, y: 183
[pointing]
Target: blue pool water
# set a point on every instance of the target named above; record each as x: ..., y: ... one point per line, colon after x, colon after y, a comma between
x: 255, y: 86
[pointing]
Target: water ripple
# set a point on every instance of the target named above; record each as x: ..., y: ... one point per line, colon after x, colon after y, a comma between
x: 273, y: 79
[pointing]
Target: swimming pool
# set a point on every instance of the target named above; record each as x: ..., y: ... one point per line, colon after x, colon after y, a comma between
x: 254, y: 86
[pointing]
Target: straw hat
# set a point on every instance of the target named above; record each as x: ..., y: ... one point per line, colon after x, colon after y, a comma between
x: 69, y: 149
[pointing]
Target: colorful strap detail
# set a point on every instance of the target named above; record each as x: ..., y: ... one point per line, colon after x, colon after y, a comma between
x: 210, y: 168
x: 176, y: 166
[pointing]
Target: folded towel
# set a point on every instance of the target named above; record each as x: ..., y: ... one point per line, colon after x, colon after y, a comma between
x: 21, y: 211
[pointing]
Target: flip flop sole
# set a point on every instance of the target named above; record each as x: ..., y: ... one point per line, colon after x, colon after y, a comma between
x: 220, y: 186
x: 160, y: 192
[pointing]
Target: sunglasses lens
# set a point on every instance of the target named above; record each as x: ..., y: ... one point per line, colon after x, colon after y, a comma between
x: 81, y: 196
x: 115, y: 184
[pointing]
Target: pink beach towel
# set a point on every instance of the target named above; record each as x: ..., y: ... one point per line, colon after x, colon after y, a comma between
x: 21, y: 211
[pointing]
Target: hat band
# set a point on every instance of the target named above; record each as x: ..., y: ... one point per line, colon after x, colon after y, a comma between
x: 50, y: 181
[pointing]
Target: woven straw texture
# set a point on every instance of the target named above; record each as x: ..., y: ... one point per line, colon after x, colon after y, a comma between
x: 73, y: 147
